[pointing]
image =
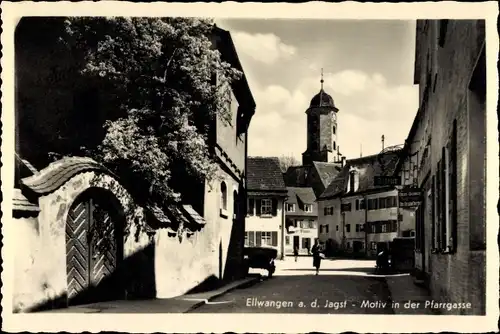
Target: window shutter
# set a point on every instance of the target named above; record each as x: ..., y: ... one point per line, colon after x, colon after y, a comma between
x: 257, y: 207
x: 274, y: 239
x: 453, y: 182
x: 444, y: 212
x: 274, y: 202
x: 357, y: 204
x: 258, y: 238
x: 324, y: 211
x: 433, y: 218
x: 438, y: 206
x: 251, y: 205
x: 251, y: 238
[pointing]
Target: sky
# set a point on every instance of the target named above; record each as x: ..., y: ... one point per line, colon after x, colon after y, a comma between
x: 368, y: 70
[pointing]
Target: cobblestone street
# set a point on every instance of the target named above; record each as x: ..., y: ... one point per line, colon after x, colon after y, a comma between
x: 342, y: 287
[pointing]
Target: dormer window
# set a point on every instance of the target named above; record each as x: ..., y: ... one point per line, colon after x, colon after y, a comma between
x: 308, y: 208
x: 290, y: 207
x: 353, y: 182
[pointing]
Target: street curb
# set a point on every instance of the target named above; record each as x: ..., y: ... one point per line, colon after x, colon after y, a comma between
x: 223, y: 291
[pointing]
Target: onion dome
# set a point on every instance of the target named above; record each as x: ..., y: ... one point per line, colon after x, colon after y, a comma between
x: 322, y: 99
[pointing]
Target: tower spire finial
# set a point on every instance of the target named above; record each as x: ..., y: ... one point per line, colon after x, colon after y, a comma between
x: 322, y: 78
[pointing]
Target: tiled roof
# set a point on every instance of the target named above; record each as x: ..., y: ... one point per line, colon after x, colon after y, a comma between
x: 21, y: 204
x: 327, y: 171
x: 368, y: 167
x: 57, y: 173
x: 264, y: 174
x: 297, y: 176
x: 300, y: 196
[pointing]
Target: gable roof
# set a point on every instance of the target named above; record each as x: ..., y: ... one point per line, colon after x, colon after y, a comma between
x: 300, y: 196
x: 264, y: 174
x: 368, y: 167
x: 327, y: 171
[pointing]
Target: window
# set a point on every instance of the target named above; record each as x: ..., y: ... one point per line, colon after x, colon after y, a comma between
x: 334, y: 130
x: 223, y: 193
x: 326, y: 229
x: 357, y: 204
x: 329, y: 211
x: 334, y: 146
x: 384, y: 228
x: 444, y: 227
x: 373, y: 204
x: 362, y: 204
x: 348, y: 228
x: 346, y: 207
x: 392, y: 202
x: 337, y: 228
x: 321, y: 228
x: 266, y: 239
x: 251, y: 238
x: 246, y: 238
x: 308, y: 208
x: 373, y: 228
x: 311, y: 224
x: 266, y: 206
x: 250, y: 207
x: 351, y: 181
x: 290, y: 207
x: 325, y: 211
x: 287, y: 240
x: 373, y: 245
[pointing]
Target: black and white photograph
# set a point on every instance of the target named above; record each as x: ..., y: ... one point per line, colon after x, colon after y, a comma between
x: 165, y: 165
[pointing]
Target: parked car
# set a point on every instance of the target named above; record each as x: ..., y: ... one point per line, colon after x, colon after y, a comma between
x: 261, y: 258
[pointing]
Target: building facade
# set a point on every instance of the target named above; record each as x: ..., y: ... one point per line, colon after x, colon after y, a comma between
x: 266, y: 193
x: 446, y: 149
x: 58, y: 203
x: 361, y: 216
x: 301, y: 220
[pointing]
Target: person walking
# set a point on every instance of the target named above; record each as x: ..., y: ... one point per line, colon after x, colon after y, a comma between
x: 296, y: 252
x: 317, y: 255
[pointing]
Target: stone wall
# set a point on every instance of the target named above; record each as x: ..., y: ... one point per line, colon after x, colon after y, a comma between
x: 458, y: 276
x: 178, y: 263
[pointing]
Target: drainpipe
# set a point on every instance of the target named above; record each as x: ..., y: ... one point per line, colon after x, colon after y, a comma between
x: 343, y: 227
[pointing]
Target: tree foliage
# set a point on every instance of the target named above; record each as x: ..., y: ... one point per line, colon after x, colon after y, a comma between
x: 288, y: 161
x: 167, y: 84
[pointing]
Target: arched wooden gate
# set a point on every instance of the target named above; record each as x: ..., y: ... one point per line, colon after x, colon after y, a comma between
x: 94, y: 248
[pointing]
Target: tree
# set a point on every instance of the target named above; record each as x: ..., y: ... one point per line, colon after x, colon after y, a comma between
x: 288, y: 161
x: 166, y: 84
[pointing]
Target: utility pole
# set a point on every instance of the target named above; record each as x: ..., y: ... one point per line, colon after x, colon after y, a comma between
x: 383, y: 139
x: 283, y: 223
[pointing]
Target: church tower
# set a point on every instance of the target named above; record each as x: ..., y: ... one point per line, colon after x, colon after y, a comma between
x: 321, y: 129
